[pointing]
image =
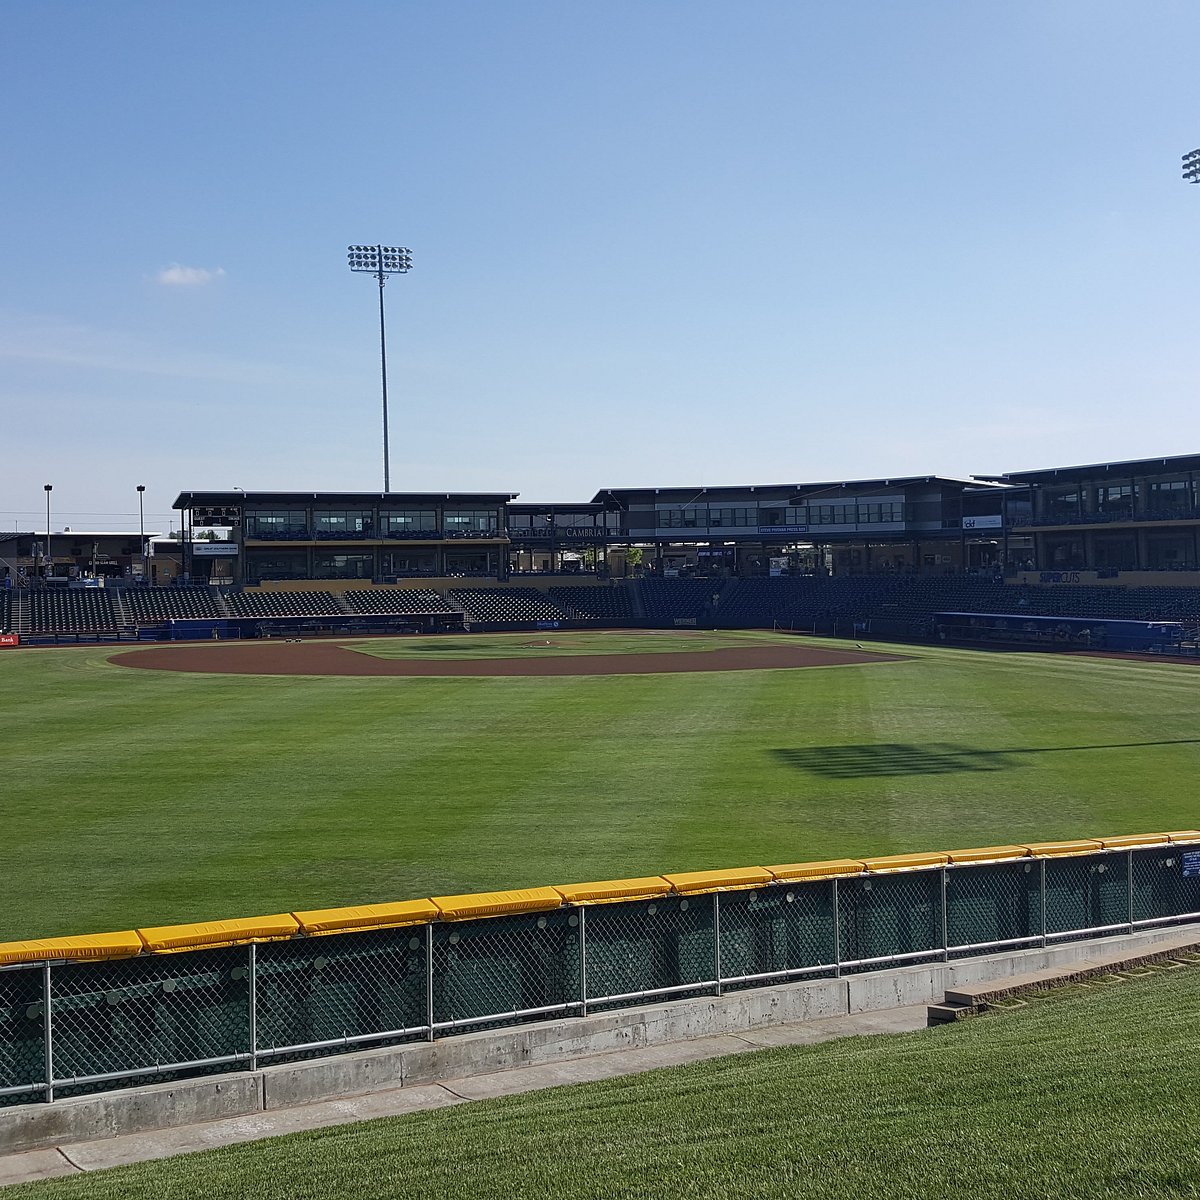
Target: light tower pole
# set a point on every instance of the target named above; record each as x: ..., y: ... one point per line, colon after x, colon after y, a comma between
x: 382, y: 261
x: 141, y: 489
x: 49, y: 563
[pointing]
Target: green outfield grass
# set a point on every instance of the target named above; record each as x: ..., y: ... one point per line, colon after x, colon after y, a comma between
x: 1067, y: 1098
x: 133, y: 797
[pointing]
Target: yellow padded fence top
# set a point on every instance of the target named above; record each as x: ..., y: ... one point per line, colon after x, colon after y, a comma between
x: 168, y: 939
x: 794, y: 872
x: 987, y: 854
x: 208, y: 934
x: 88, y: 946
x: 366, y: 916
x: 719, y: 881
x: 1063, y: 849
x: 613, y: 889
x: 905, y: 862
x: 496, y: 904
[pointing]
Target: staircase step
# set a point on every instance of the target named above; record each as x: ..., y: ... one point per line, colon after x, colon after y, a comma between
x: 945, y: 1014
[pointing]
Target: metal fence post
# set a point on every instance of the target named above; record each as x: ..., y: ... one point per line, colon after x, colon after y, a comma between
x: 253, y: 976
x: 429, y: 977
x: 583, y: 982
x: 1129, y: 871
x: 945, y: 922
x: 717, y: 939
x: 1043, y: 878
x: 48, y: 1032
x: 837, y: 934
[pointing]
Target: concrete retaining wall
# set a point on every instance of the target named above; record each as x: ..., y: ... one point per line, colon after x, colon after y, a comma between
x: 160, y: 1106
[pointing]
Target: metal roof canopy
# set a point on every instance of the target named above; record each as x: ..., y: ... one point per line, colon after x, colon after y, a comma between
x: 234, y: 498
x: 802, y: 489
x: 1133, y: 466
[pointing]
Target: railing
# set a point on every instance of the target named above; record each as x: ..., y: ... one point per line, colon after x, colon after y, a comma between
x: 73, y: 1027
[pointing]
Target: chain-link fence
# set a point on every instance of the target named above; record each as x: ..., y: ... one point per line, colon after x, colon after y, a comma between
x: 22, y: 1035
x: 650, y: 949
x: 774, y: 934
x: 77, y: 1027
x: 346, y: 991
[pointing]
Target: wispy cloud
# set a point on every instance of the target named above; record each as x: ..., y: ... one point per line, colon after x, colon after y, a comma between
x: 180, y: 276
x: 52, y: 343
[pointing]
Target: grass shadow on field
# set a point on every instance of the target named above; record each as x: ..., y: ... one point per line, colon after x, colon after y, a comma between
x: 887, y: 759
x: 880, y: 760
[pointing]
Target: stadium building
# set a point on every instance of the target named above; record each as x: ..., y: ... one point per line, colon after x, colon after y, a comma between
x: 895, y: 557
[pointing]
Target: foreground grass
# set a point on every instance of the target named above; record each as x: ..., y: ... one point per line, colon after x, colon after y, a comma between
x: 1092, y: 1096
x: 142, y: 798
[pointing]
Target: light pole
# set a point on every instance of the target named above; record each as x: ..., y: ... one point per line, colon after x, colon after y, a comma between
x: 1191, y: 166
x: 382, y: 261
x: 141, y: 488
x: 49, y: 563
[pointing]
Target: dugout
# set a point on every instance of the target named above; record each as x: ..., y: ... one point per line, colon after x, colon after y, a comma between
x: 1093, y: 633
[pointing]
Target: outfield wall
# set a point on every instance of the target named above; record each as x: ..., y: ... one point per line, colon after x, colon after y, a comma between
x: 81, y: 1015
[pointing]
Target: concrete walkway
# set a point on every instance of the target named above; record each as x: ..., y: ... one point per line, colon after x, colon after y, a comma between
x: 164, y: 1143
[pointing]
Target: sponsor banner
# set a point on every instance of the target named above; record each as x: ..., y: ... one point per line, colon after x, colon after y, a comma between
x: 214, y: 549
x: 685, y: 620
x: 1059, y: 577
x: 10, y: 639
x: 996, y: 521
x: 564, y: 533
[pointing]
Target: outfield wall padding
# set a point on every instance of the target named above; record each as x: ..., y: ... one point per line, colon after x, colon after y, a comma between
x: 89, y: 1014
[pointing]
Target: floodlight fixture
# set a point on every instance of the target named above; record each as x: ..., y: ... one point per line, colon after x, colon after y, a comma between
x: 382, y: 261
x: 1191, y: 166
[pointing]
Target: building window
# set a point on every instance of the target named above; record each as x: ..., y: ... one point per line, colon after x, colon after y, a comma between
x: 1170, y: 498
x: 1062, y: 505
x: 328, y: 525
x: 276, y: 525
x: 277, y: 564
x: 409, y: 523
x: 343, y: 566
x: 1115, y: 500
x: 464, y: 523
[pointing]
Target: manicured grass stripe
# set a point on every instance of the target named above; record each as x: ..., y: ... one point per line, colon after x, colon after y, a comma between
x: 139, y: 797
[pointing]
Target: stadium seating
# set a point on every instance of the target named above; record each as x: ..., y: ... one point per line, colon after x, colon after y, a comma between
x: 508, y: 604
x: 5, y: 612
x: 151, y: 606
x: 669, y: 600
x: 596, y: 603
x: 913, y: 600
x: 399, y: 602
x: 74, y: 610
x: 284, y: 604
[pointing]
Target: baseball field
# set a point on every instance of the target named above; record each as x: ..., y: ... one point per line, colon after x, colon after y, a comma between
x: 154, y: 785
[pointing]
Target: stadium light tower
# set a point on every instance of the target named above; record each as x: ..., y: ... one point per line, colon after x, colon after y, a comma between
x: 382, y: 261
x: 141, y: 491
x: 48, y: 564
x: 1191, y: 166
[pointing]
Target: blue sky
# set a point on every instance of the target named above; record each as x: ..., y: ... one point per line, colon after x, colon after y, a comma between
x: 654, y: 243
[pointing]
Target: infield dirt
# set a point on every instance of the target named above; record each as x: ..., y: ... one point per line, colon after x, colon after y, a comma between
x: 335, y: 658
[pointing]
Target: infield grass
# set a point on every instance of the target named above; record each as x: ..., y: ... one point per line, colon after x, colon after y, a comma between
x: 134, y: 797
x: 553, y: 643
x: 1071, y: 1098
